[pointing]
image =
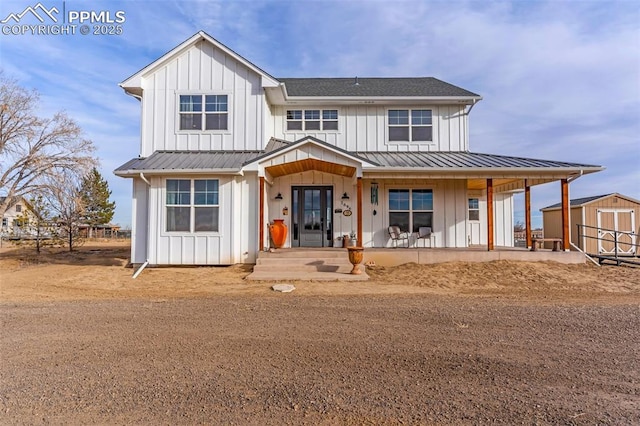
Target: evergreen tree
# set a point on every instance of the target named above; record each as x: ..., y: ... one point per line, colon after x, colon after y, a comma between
x: 94, y: 193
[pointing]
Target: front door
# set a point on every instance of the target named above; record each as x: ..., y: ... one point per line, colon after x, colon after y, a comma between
x: 312, y: 216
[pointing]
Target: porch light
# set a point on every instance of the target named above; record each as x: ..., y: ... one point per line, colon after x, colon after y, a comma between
x: 279, y: 196
x: 345, y: 196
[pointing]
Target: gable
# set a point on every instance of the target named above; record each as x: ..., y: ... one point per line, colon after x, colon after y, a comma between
x: 203, y: 42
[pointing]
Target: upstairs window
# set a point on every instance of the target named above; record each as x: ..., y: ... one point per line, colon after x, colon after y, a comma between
x: 204, y: 112
x: 192, y: 205
x: 312, y: 119
x: 410, y: 125
x: 18, y: 208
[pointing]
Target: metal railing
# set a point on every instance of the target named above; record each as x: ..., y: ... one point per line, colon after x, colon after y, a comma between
x: 612, y: 244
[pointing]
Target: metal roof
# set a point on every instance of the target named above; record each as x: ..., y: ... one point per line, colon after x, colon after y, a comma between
x: 234, y: 161
x: 396, y: 87
x: 201, y: 161
x: 460, y: 160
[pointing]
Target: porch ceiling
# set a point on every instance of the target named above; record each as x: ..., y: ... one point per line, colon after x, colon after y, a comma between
x: 310, y: 164
x: 482, y: 183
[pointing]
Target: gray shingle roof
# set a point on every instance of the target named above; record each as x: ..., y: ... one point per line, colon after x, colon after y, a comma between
x: 459, y: 160
x: 419, y: 87
x: 578, y: 201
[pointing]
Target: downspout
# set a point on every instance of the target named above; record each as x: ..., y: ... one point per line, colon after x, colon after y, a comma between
x: 146, y: 262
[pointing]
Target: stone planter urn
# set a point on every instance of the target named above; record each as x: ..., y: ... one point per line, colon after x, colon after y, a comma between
x: 278, y: 231
x: 355, y: 257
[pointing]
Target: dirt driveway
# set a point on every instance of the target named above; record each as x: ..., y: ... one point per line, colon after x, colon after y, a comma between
x: 507, y: 343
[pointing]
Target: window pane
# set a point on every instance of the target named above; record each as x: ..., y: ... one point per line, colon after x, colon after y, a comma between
x: 421, y: 117
x: 206, y: 192
x: 398, y: 133
x: 330, y: 125
x: 398, y: 116
x: 421, y: 134
x: 474, y: 214
x: 330, y: 114
x: 178, y: 219
x: 473, y: 203
x: 190, y: 103
x: 178, y: 191
x: 400, y: 219
x: 312, y: 125
x: 216, y: 103
x: 216, y: 121
x: 294, y: 114
x: 206, y: 219
x: 398, y: 199
x: 312, y: 114
x: 190, y: 121
x: 422, y: 219
x: 422, y: 199
x: 294, y: 125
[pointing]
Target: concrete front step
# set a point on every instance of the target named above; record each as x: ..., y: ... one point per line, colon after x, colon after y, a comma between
x: 305, y: 276
x: 345, y: 269
x: 309, y: 253
x: 305, y: 264
x: 344, y: 260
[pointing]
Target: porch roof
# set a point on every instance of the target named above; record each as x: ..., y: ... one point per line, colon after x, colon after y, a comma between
x: 231, y: 162
x: 461, y: 161
x: 187, y: 162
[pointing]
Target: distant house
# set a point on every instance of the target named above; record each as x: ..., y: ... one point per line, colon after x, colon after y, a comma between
x: 13, y: 219
x: 597, y: 223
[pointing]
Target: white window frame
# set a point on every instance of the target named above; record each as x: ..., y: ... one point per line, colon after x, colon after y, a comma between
x: 476, y: 209
x: 303, y: 120
x: 204, y: 112
x: 192, y: 207
x: 410, y: 211
x: 410, y: 126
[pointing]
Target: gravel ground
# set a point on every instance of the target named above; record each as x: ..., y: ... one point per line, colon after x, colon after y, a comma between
x: 305, y: 359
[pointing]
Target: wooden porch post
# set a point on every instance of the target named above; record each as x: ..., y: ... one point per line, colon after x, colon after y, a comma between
x: 527, y: 212
x: 564, y: 185
x: 489, y: 214
x: 359, y: 216
x: 261, y: 214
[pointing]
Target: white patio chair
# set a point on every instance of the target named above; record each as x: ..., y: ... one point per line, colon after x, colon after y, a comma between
x: 397, y: 235
x: 424, y: 234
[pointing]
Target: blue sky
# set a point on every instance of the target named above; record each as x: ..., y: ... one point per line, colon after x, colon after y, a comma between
x: 560, y: 79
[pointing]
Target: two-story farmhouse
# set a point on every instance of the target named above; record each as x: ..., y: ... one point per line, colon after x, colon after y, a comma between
x: 226, y: 148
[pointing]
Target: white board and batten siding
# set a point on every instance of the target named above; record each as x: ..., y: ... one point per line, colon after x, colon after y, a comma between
x: 364, y: 128
x: 449, y: 211
x: 203, y: 69
x: 234, y: 242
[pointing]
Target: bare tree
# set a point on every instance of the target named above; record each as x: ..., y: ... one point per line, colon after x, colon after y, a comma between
x: 34, y: 150
x: 65, y: 201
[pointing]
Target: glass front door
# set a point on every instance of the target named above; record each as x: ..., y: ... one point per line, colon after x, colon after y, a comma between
x: 312, y: 216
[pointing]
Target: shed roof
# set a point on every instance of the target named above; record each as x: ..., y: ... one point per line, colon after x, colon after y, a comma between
x: 356, y: 87
x: 579, y: 202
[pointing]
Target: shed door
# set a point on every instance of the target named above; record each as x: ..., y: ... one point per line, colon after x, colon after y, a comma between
x: 615, y: 232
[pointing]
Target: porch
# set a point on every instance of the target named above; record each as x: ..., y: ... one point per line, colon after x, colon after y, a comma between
x: 332, y: 264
